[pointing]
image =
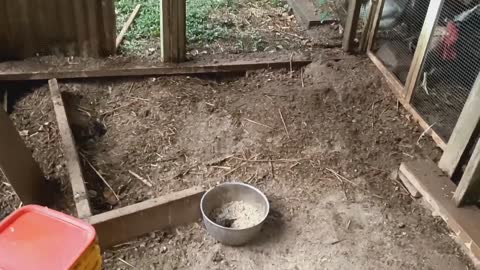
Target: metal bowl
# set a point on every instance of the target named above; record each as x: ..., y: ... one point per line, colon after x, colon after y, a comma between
x: 229, y: 192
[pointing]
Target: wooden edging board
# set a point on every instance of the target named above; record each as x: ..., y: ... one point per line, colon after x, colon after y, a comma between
x: 123, y: 224
x: 437, y: 190
x: 18, y: 165
x: 398, y: 91
x: 166, y: 69
x: 74, y: 168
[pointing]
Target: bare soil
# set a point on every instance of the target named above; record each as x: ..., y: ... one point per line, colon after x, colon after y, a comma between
x: 326, y: 167
x: 324, y: 144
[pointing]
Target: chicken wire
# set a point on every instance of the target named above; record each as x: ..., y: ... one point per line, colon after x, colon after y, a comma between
x: 397, y: 34
x: 451, y: 66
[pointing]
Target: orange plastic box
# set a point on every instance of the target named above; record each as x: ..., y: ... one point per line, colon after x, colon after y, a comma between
x: 39, y: 238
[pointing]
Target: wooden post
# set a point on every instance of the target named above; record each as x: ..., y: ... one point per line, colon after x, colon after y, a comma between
x: 173, y: 30
x: 19, y: 167
x: 367, y: 28
x: 431, y: 19
x: 80, y: 195
x: 468, y: 190
x: 376, y: 21
x: 462, y: 134
x: 351, y: 24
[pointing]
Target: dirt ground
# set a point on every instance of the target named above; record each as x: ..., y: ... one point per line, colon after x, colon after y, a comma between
x: 289, y: 133
x: 179, y: 132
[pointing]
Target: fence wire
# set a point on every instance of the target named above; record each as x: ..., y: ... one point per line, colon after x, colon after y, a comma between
x: 451, y: 66
x: 397, y: 34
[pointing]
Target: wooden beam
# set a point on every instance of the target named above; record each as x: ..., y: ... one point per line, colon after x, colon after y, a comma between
x: 398, y: 91
x: 124, y: 224
x: 462, y: 134
x: 437, y: 190
x: 368, y: 28
x: 80, y: 194
x: 376, y: 21
x: 351, y: 25
x: 431, y: 19
x: 19, y: 167
x: 47, y: 73
x: 126, y: 26
x: 468, y: 190
x: 173, y: 30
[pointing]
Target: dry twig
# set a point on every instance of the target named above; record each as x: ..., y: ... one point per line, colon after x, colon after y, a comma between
x: 127, y: 263
x: 425, y: 132
x: 100, y: 176
x: 260, y: 124
x: 145, y: 181
x: 283, y: 121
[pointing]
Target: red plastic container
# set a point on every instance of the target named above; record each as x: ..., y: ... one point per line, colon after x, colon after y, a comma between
x: 39, y: 238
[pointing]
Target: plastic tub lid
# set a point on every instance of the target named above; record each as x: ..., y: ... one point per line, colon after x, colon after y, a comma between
x: 36, y: 237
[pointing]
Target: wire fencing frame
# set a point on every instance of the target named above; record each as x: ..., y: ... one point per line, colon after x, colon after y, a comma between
x: 451, y: 66
x: 398, y: 30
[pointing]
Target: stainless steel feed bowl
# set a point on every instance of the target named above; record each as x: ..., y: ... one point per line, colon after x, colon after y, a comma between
x: 229, y: 192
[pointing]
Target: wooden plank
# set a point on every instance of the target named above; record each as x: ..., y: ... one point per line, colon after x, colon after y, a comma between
x: 431, y: 19
x: 166, y: 69
x: 107, y: 27
x: 92, y: 28
x: 376, y: 21
x: 19, y: 167
x: 392, y: 80
x: 124, y: 224
x: 166, y: 50
x: 351, y: 25
x: 127, y: 25
x: 182, y: 29
x: 468, y: 190
x: 437, y: 190
x: 398, y: 91
x: 368, y: 28
x: 413, y: 191
x: 80, y: 194
x: 462, y: 133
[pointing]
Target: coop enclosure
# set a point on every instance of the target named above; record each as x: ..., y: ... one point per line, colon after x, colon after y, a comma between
x: 429, y: 52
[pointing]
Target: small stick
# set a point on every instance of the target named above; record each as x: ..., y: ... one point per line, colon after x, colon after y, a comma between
x: 233, y: 170
x: 221, y: 167
x: 301, y: 77
x: 291, y: 66
x: 145, y: 181
x: 100, y: 176
x: 271, y: 170
x: 127, y: 263
x: 268, y: 160
x: 284, y: 125
x: 341, y: 178
x: 425, y: 132
x: 260, y: 124
x: 126, y: 26
x: 118, y: 108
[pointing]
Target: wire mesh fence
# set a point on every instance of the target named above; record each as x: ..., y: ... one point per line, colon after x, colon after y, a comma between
x: 451, y: 66
x: 397, y: 34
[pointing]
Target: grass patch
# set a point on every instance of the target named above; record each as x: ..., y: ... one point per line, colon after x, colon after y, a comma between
x: 207, y: 21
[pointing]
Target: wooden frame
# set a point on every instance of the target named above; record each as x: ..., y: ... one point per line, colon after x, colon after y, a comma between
x: 351, y: 25
x: 46, y: 73
x: 400, y: 90
x: 123, y: 224
x: 80, y: 194
x: 431, y: 19
x: 173, y: 30
x: 463, y: 132
x: 20, y: 169
x: 437, y: 192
